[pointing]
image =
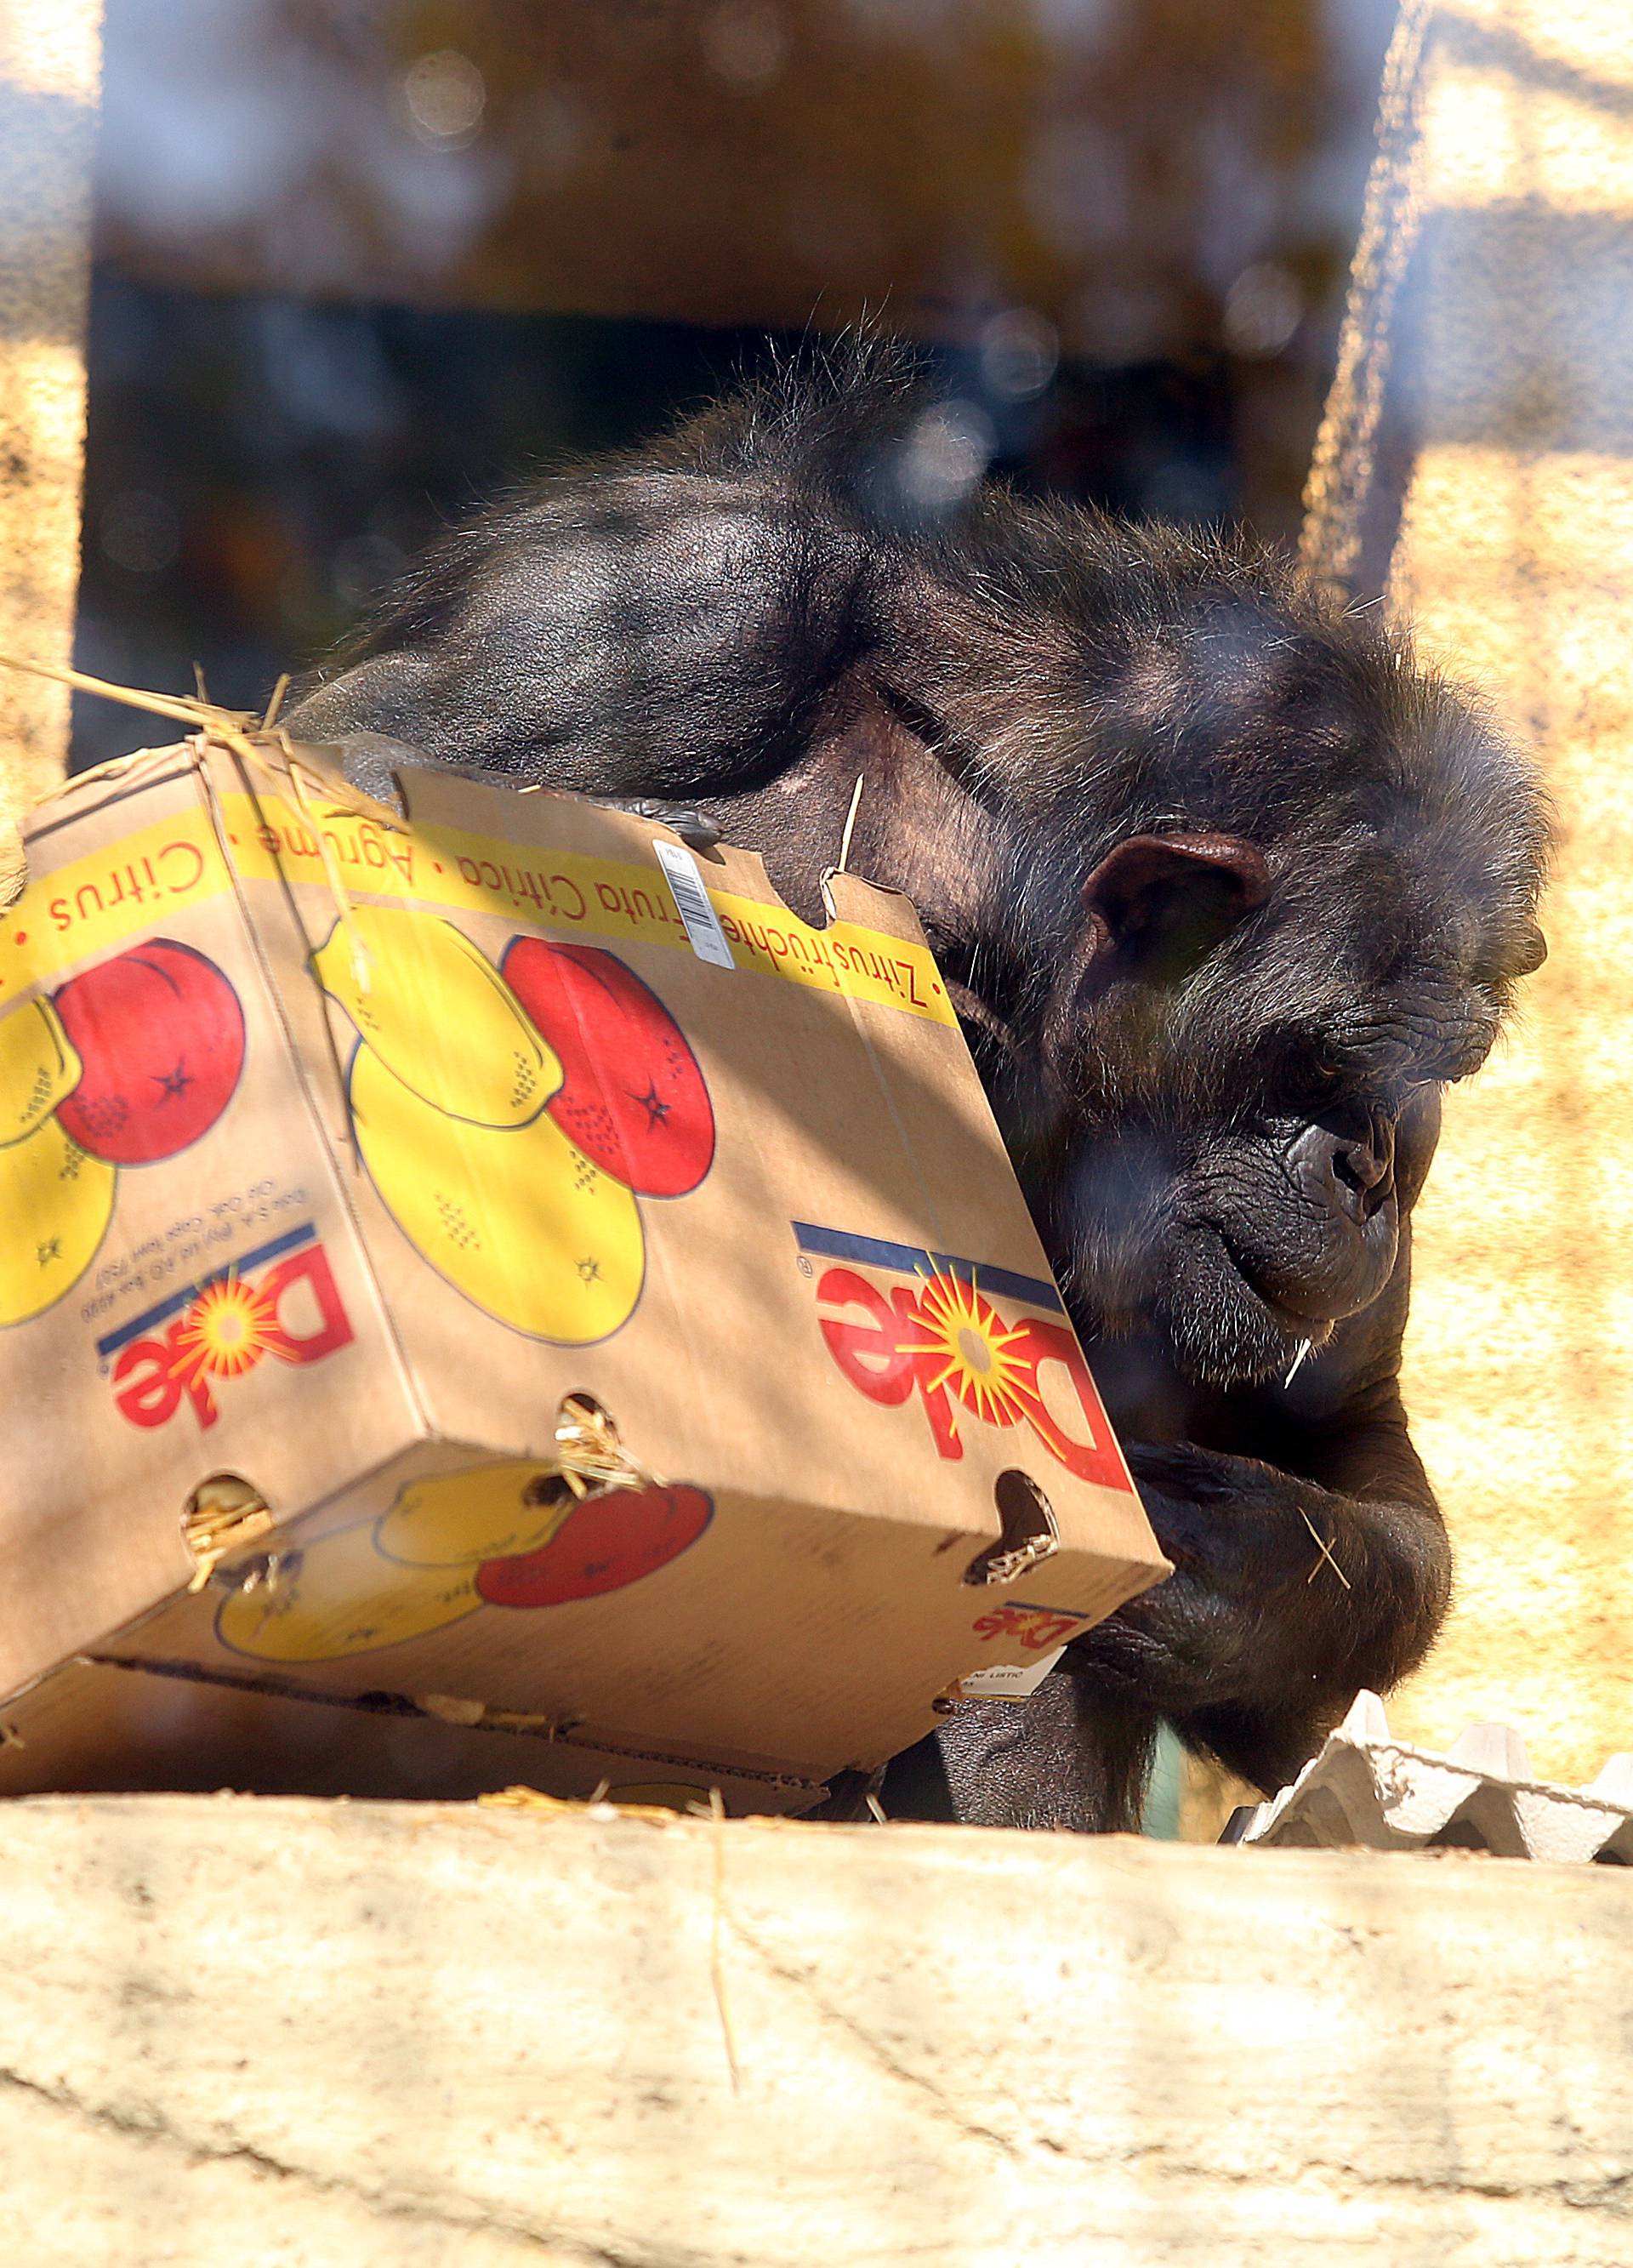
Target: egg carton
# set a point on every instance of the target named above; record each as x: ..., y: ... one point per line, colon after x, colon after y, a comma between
x: 1366, y: 1787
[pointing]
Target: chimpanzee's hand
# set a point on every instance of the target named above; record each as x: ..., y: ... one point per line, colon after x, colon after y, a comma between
x: 1285, y: 1597
x: 1231, y: 1527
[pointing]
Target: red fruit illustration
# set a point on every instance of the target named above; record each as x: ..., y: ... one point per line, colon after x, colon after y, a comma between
x: 632, y: 1097
x: 602, y: 1544
x: 160, y: 1034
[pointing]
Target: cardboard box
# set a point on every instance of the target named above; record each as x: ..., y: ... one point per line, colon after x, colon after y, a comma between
x: 395, y: 1185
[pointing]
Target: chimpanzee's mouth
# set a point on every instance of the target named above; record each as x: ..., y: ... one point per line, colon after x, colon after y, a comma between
x: 1303, y: 1310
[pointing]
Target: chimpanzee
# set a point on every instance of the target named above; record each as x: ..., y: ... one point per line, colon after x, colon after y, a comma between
x: 1227, y: 887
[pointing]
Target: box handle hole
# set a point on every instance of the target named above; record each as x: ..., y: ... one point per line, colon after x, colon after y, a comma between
x: 548, y: 1489
x: 1027, y: 1536
x: 224, y: 1513
x: 579, y: 1412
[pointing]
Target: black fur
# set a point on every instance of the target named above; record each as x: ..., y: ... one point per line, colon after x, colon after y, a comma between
x: 1217, y: 1061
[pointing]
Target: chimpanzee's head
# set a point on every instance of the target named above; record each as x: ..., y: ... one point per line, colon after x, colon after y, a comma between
x: 1265, y: 886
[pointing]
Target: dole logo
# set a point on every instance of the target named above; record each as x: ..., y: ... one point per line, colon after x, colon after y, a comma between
x: 941, y: 1338
x: 1039, y: 1628
x: 224, y: 1327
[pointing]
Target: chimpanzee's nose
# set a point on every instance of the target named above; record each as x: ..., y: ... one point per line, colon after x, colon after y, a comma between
x: 1351, y: 1162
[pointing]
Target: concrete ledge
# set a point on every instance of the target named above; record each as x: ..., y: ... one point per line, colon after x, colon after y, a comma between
x: 297, y: 2033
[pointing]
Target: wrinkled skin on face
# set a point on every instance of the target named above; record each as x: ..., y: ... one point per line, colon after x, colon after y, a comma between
x: 1243, y: 1247
x: 1246, y: 1217
x: 1227, y: 890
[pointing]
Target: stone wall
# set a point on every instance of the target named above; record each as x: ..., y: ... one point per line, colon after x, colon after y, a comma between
x: 288, y: 2033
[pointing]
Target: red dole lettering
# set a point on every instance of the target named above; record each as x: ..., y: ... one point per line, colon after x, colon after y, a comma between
x: 946, y: 1343
x: 294, y: 1314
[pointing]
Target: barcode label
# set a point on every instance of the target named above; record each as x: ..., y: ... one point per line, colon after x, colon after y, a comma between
x: 692, y: 903
x: 1014, y: 1681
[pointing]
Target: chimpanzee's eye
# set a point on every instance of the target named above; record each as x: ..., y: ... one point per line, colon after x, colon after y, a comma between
x: 1312, y: 1072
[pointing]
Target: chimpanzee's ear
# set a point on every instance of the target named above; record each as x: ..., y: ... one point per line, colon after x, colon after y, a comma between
x: 1161, y: 902
x: 1156, y: 904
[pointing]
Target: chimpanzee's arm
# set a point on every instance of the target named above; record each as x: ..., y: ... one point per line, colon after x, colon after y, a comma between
x: 639, y: 633
x: 1295, y: 1582
x: 1256, y: 1644
x: 1253, y: 1649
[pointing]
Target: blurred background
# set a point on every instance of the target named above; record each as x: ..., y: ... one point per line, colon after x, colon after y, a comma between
x: 360, y: 263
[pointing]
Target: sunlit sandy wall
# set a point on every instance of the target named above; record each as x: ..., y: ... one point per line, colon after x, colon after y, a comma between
x: 1509, y: 367
x: 49, y: 58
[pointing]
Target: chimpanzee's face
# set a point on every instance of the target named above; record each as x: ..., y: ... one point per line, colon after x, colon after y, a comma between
x: 1242, y: 1230
x: 1229, y: 1149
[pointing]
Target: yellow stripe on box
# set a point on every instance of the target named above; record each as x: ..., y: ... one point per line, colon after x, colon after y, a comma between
x: 94, y: 905
x: 564, y: 892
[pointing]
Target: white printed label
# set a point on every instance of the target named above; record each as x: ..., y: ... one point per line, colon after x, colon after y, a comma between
x: 693, y: 904
x: 1011, y: 1681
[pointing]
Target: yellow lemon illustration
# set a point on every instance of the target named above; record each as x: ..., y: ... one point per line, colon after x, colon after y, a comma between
x: 56, y: 1204
x: 516, y: 1218
x: 439, y: 1014
x: 341, y: 1596
x: 38, y: 1069
x: 491, y: 1512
